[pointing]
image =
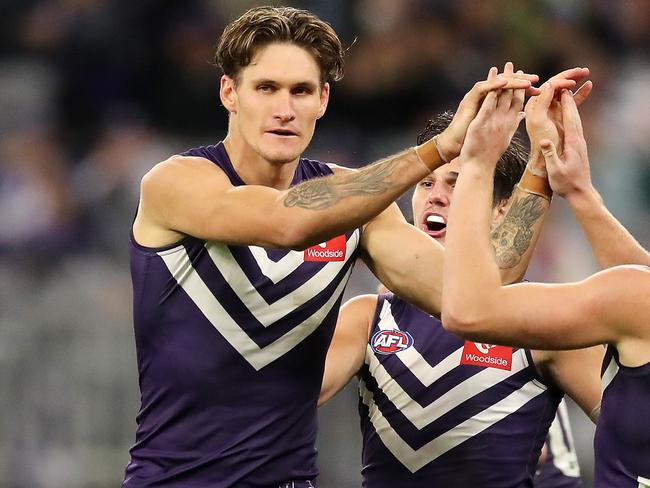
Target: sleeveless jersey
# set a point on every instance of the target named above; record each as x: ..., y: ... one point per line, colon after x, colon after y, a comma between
x: 560, y: 469
x: 231, y: 344
x: 438, y: 411
x: 622, y: 441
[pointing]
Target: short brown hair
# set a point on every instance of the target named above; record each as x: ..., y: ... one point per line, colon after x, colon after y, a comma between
x: 511, y: 164
x: 261, y: 26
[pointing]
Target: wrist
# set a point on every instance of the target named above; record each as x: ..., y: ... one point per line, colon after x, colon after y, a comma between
x: 535, y: 181
x: 537, y: 165
x: 583, y: 199
x: 428, y: 153
x: 476, y: 167
x: 447, y: 148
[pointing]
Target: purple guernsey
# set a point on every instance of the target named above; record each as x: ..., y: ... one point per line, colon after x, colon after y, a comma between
x: 231, y: 344
x: 560, y: 468
x: 622, y: 442
x: 438, y: 411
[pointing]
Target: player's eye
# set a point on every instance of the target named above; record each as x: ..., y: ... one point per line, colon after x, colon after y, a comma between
x: 301, y: 90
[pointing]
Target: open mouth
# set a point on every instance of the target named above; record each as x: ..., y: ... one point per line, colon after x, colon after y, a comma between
x: 435, y: 224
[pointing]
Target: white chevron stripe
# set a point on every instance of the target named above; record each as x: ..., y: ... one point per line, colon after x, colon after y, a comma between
x: 643, y: 482
x: 290, y: 261
x: 180, y: 267
x: 412, y: 359
x: 267, y: 314
x: 608, y: 374
x: 472, y: 386
x: 564, y: 456
x: 414, y: 459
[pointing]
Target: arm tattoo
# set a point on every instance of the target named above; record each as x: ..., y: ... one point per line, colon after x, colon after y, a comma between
x: 321, y: 193
x: 512, y: 238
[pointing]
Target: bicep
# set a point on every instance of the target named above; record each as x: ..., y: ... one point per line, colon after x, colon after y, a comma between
x: 405, y: 259
x: 347, y: 351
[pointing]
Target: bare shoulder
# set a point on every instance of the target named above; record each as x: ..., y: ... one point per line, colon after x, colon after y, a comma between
x: 170, y: 191
x: 361, y: 304
x: 170, y: 170
x: 178, y: 177
x: 356, y: 316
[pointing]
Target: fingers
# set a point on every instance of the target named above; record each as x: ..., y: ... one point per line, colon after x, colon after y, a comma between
x: 519, y: 96
x: 574, y: 74
x: 548, y: 148
x: 489, y: 105
x: 561, y: 84
x: 504, y: 100
x: 481, y: 88
x: 549, y: 151
x: 515, y: 79
x: 506, y: 80
x: 583, y: 92
x: 571, y: 116
x: 542, y: 101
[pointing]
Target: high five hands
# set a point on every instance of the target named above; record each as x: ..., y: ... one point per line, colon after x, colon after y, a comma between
x: 546, y: 113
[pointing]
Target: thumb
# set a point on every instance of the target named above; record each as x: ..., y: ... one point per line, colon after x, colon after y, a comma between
x: 549, y: 151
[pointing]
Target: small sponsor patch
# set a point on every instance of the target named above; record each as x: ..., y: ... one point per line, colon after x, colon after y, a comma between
x: 390, y: 341
x: 332, y: 250
x: 487, y: 355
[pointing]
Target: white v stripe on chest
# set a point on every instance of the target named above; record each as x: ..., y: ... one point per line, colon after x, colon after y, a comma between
x: 179, y: 265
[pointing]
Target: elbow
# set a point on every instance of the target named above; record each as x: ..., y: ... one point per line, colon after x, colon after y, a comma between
x: 285, y: 230
x: 458, y: 321
x: 293, y: 236
x: 461, y: 317
x: 511, y: 276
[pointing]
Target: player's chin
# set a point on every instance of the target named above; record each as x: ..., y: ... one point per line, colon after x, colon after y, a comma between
x: 283, y: 154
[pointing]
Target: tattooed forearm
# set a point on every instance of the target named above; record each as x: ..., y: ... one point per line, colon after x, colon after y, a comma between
x: 512, y: 238
x: 321, y: 193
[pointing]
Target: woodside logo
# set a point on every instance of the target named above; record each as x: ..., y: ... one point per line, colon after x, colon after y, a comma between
x: 487, y: 355
x: 332, y: 250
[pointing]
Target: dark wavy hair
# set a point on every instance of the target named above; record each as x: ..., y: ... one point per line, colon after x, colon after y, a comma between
x: 261, y: 26
x: 511, y: 164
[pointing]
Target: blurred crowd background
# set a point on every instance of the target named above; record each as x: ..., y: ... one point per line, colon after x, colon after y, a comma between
x: 94, y: 92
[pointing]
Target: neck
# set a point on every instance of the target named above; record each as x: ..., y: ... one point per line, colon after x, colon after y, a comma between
x: 254, y: 169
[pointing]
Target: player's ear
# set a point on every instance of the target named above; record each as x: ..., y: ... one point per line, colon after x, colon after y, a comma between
x: 324, y: 99
x: 228, y: 93
x: 499, y: 212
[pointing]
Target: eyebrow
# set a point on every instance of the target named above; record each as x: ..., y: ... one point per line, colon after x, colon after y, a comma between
x: 306, y: 84
x: 301, y: 84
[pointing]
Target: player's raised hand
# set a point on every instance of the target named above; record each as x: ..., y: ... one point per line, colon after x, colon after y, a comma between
x: 568, y: 173
x: 544, y: 113
x: 492, y: 129
x: 450, y: 141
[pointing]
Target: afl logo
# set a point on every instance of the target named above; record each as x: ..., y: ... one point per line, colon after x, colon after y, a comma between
x: 391, y: 341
